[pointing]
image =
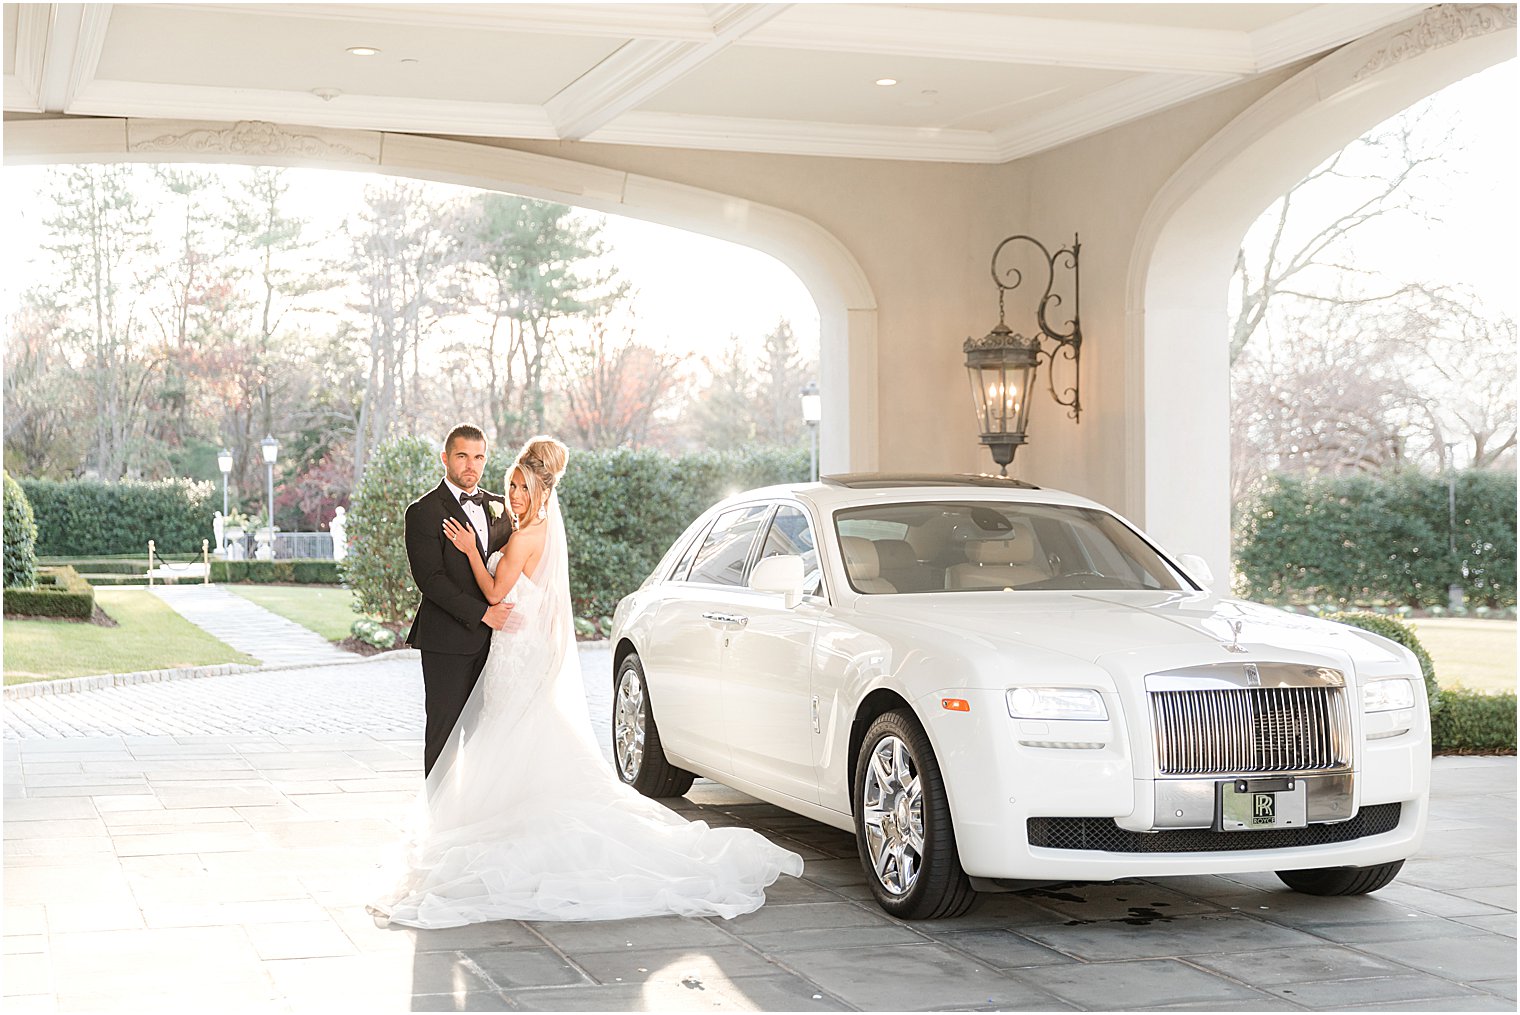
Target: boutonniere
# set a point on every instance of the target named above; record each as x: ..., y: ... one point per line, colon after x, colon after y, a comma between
x: 495, y: 508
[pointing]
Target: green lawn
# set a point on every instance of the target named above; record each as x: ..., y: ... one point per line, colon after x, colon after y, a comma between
x: 324, y: 609
x: 1476, y: 654
x: 151, y: 636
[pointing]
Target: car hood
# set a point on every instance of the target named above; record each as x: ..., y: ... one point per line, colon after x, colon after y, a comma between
x: 1092, y: 625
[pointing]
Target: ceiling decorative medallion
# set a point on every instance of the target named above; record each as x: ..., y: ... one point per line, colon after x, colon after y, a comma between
x: 1440, y: 26
x: 251, y: 137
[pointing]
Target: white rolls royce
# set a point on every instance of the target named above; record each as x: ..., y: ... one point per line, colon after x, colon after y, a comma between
x: 995, y: 685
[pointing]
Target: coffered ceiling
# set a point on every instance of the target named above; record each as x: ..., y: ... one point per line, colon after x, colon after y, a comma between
x: 973, y: 82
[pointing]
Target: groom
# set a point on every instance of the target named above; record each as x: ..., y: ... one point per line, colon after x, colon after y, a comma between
x: 454, y: 622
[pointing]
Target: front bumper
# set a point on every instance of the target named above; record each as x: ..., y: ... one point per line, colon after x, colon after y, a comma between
x: 999, y: 776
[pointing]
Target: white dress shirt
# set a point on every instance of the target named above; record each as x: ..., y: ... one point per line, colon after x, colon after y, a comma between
x: 474, y: 512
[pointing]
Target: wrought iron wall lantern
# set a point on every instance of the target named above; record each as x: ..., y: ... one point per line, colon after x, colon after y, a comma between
x: 1003, y: 365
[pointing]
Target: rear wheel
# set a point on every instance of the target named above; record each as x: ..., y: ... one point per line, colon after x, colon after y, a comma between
x: 902, y: 823
x: 1341, y: 880
x: 636, y: 739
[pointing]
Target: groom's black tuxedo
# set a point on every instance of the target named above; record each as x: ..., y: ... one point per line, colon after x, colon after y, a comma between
x: 448, y: 625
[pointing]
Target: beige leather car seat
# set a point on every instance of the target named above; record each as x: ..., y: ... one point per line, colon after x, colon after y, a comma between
x: 900, y: 567
x: 864, y: 565
x: 997, y: 563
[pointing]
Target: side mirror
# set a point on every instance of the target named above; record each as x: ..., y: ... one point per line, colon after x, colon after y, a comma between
x: 782, y: 574
x: 1197, y: 569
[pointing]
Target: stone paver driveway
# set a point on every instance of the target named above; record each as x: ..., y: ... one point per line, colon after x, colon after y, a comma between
x: 222, y: 865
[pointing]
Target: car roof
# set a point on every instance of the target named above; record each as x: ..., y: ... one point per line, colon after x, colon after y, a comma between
x: 877, y: 480
x: 857, y: 489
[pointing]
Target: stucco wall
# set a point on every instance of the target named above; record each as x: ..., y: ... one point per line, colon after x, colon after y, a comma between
x: 923, y: 233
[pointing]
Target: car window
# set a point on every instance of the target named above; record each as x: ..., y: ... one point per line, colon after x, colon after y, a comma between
x: 792, y: 533
x: 989, y: 545
x: 720, y: 561
x: 684, y: 564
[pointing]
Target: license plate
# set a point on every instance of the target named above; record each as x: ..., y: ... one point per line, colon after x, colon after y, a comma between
x: 1276, y: 803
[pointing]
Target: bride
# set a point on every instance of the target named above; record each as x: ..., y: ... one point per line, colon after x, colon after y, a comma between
x: 521, y: 817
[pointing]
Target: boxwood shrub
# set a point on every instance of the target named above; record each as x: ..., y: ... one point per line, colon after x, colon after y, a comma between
x: 1379, y: 539
x: 59, y: 592
x: 1474, y: 722
x: 20, y: 537
x: 85, y: 517
x: 301, y: 572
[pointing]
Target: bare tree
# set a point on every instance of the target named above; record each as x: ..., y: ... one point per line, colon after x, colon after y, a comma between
x: 100, y: 242
x: 1368, y: 180
x: 400, y: 257
x: 614, y: 386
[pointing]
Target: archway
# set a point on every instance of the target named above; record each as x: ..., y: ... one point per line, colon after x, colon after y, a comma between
x: 846, y: 303
x: 1177, y: 400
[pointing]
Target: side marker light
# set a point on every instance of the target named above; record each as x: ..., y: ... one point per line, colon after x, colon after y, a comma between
x: 955, y: 704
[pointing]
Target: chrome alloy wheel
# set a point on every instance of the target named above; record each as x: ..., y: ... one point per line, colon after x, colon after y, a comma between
x: 893, y: 814
x: 628, y: 724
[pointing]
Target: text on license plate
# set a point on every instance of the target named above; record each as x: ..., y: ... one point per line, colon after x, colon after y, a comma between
x: 1277, y: 804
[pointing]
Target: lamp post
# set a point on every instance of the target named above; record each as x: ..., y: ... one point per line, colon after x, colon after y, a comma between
x: 812, y: 412
x: 1455, y: 594
x: 223, y: 462
x: 271, y: 448
x: 1002, y: 365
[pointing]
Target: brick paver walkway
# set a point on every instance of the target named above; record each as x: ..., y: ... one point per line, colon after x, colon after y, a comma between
x: 248, y: 627
x: 382, y: 697
x: 225, y: 868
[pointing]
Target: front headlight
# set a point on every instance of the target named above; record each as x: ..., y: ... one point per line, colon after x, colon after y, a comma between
x: 1055, y: 703
x: 1387, y: 695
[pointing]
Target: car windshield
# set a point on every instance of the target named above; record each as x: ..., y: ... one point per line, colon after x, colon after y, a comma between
x: 948, y: 546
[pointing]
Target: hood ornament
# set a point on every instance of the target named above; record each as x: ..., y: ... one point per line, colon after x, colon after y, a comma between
x: 1236, y: 626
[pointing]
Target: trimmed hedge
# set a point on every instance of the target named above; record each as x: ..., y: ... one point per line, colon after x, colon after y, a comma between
x: 59, y: 592
x: 1473, y: 722
x: 622, y: 510
x: 1379, y: 539
x: 299, y: 572
x: 20, y: 568
x: 85, y: 517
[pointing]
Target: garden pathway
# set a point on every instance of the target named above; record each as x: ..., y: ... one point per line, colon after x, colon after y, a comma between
x: 250, y: 628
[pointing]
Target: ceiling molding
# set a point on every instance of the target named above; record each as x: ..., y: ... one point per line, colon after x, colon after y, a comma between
x: 1109, y: 107
x: 23, y: 89
x: 1323, y: 28
x: 643, y: 68
x: 793, y: 137
x: 627, y: 21
x: 76, y: 35
x: 998, y: 38
x: 355, y: 112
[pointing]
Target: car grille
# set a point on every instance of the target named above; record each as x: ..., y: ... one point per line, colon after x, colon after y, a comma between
x: 1255, y: 729
x: 1103, y: 835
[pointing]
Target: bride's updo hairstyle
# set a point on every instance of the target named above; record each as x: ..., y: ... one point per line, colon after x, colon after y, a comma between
x: 542, y: 461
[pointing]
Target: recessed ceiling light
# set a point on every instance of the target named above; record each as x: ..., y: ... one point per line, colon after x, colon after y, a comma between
x: 886, y: 82
x: 362, y: 50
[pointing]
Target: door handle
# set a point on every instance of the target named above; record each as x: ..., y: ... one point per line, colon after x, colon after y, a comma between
x: 726, y: 618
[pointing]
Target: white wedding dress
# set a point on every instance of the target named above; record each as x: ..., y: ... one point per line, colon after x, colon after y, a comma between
x: 523, y: 819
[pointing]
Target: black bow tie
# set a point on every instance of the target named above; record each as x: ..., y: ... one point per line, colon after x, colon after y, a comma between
x: 477, y: 498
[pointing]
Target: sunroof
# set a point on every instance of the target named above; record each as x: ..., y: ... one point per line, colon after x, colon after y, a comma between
x: 880, y: 480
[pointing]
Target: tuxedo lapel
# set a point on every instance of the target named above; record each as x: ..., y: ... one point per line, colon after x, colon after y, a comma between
x: 456, y: 511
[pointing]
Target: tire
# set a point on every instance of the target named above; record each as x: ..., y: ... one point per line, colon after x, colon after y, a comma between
x: 1341, y: 880
x: 636, y: 750
x: 906, y: 839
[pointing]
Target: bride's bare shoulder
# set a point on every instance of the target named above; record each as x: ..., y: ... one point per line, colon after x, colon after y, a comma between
x: 532, y: 534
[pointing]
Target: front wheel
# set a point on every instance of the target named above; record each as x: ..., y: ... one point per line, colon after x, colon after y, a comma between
x: 902, y: 823
x: 636, y: 739
x: 1341, y: 880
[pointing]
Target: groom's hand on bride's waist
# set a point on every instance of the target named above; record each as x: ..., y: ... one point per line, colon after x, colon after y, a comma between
x: 496, y: 616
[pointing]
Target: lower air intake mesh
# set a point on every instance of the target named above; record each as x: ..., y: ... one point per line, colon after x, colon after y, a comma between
x: 1103, y: 835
